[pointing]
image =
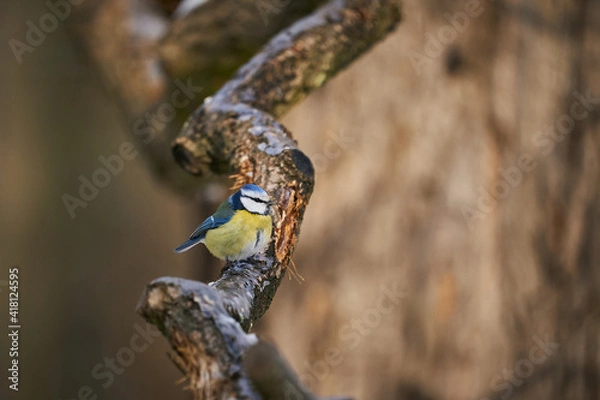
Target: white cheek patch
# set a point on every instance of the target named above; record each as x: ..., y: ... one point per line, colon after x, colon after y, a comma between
x: 254, y: 206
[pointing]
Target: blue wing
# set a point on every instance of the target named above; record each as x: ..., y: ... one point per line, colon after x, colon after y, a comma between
x: 208, y: 224
x: 222, y: 216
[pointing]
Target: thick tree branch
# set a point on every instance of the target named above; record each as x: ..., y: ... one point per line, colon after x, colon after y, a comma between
x: 219, y: 359
x: 142, y: 54
x: 236, y: 132
x: 208, y: 342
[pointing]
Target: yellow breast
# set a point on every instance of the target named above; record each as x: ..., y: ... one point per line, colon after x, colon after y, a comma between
x: 244, y: 235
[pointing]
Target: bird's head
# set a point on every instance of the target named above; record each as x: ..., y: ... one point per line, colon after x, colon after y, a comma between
x: 254, y: 199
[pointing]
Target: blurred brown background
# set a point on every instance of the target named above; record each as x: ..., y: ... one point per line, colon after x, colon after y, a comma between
x: 452, y: 169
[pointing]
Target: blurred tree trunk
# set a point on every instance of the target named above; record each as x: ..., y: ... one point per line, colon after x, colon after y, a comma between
x: 462, y: 171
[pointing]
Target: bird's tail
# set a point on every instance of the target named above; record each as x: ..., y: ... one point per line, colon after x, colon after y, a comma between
x: 188, y: 245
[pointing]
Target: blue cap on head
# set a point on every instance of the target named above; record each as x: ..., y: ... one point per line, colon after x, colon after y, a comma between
x: 248, y: 194
x: 250, y: 188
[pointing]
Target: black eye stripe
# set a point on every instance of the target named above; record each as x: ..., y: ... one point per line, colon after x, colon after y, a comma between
x: 255, y: 199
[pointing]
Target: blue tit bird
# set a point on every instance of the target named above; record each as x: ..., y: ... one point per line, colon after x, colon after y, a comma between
x: 240, y: 228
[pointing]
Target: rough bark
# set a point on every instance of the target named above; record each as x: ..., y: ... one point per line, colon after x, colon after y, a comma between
x: 235, y: 132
